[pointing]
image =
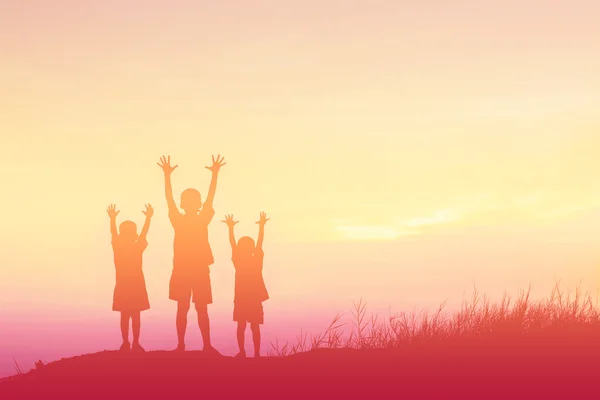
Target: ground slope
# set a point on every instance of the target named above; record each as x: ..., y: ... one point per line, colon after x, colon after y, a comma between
x: 478, y: 372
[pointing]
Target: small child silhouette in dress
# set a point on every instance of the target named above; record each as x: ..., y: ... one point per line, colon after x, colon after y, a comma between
x: 130, y: 296
x: 250, y: 289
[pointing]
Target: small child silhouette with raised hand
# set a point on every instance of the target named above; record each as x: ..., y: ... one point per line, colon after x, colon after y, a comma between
x: 250, y: 289
x: 130, y: 296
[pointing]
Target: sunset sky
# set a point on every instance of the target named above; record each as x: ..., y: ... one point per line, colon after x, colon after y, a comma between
x: 405, y: 151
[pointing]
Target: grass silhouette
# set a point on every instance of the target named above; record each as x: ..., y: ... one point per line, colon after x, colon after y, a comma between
x: 561, y: 319
x: 515, y: 348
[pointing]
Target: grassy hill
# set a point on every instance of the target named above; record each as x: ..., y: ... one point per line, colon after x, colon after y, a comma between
x: 481, y: 372
x: 509, y: 350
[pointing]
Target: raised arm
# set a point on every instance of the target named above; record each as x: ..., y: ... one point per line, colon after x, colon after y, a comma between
x: 148, y: 212
x: 230, y: 224
x: 261, y: 230
x: 214, y: 168
x: 112, y: 214
x: 165, y: 164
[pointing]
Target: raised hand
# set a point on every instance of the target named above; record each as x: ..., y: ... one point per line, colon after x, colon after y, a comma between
x: 112, y: 211
x: 216, y: 163
x: 149, y: 211
x: 229, y: 220
x: 165, y: 164
x: 263, y: 218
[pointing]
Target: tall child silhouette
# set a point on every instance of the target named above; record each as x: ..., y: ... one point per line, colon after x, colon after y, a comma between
x: 250, y: 289
x: 130, y: 296
x: 192, y: 254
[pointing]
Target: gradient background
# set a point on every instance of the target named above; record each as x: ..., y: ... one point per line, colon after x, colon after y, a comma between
x: 406, y: 152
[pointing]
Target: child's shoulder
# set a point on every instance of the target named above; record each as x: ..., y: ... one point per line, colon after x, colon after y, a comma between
x: 258, y: 255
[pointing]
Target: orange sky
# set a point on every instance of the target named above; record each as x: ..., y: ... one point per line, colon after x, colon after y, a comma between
x: 347, y: 121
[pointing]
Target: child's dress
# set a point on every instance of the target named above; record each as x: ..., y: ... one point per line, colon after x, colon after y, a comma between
x: 130, y: 290
x: 250, y: 289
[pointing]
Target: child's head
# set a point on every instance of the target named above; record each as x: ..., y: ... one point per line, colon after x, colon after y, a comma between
x: 128, y: 230
x: 191, y: 201
x: 246, y: 246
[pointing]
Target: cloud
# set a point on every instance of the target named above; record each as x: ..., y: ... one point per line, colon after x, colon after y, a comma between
x: 472, y: 211
x: 395, y: 231
x: 565, y: 211
x: 529, y: 200
x: 437, y: 218
x: 372, y: 232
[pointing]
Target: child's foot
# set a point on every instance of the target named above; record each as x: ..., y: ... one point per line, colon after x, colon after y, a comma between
x: 241, y: 354
x: 125, y: 346
x: 137, y: 348
x: 210, y: 351
x: 180, y: 348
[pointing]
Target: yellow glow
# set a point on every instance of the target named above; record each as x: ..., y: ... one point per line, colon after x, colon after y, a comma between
x: 373, y: 232
x: 343, y: 122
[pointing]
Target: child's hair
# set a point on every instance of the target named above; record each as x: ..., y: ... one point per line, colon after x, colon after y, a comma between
x: 191, y: 199
x: 246, y: 245
x: 128, y: 229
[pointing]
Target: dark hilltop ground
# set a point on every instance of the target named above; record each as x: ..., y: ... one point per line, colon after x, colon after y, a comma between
x: 521, y: 349
x: 474, y: 372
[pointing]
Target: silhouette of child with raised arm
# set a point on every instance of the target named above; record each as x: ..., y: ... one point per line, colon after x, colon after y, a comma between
x: 250, y: 289
x: 130, y: 296
x: 192, y: 254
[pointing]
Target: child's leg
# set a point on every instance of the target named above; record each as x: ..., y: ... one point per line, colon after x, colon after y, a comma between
x: 255, y: 328
x: 241, y: 331
x: 136, y: 324
x: 125, y: 329
x: 182, y: 310
x: 204, y: 325
x: 135, y: 327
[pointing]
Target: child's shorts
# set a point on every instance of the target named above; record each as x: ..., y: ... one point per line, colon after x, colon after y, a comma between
x: 248, y: 312
x: 191, y: 283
